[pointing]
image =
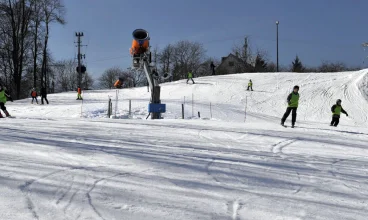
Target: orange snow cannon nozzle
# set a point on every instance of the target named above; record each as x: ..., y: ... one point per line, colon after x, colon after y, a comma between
x: 140, y: 42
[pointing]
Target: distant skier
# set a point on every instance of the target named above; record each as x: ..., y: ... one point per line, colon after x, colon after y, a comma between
x: 79, y: 97
x: 34, y: 95
x: 250, y: 85
x: 4, y: 96
x: 190, y: 77
x: 44, y: 95
x: 293, y: 102
x: 212, y: 68
x: 336, y: 111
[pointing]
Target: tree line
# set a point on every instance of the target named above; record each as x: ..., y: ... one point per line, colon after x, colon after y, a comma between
x: 25, y: 59
x: 184, y: 56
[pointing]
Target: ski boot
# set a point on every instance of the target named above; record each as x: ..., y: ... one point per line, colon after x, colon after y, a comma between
x: 7, y: 113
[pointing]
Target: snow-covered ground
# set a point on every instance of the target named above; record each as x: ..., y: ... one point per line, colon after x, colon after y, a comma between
x: 67, y: 160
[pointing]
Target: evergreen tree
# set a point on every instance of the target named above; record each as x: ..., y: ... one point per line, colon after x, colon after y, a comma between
x: 260, y: 64
x: 297, y: 66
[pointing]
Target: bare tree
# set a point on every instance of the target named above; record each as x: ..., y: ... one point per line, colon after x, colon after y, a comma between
x: 65, y: 75
x: 16, y: 16
x: 35, y: 29
x: 134, y: 78
x: 166, y: 59
x: 53, y: 11
x: 109, y: 77
x: 187, y: 56
x: 87, y: 81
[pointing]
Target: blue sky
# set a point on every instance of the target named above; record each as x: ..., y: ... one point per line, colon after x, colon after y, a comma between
x: 315, y: 29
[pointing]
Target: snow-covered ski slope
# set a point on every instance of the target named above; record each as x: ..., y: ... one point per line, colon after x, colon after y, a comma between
x: 68, y: 161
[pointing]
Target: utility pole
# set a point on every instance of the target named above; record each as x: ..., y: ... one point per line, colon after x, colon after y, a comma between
x: 277, y: 45
x: 79, y: 35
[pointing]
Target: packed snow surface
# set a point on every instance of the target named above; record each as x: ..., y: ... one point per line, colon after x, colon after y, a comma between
x: 67, y: 160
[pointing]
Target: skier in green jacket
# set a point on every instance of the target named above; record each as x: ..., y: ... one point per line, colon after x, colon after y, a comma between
x: 336, y: 111
x: 190, y: 77
x: 3, y: 98
x: 293, y: 102
x: 250, y: 85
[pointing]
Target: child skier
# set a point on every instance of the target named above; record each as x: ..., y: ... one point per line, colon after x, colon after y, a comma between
x: 336, y: 111
x: 293, y: 102
x: 250, y: 85
x: 34, y: 95
x: 79, y: 96
x: 190, y: 77
x: 4, y: 96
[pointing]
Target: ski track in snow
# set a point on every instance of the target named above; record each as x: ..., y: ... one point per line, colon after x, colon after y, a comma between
x: 68, y: 161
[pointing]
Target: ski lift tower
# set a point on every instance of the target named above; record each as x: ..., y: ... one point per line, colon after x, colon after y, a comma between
x: 141, y: 55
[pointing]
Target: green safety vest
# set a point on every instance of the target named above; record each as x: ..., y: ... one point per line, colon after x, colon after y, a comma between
x: 2, y: 97
x: 337, y: 110
x: 190, y: 75
x: 294, y: 101
x: 250, y: 84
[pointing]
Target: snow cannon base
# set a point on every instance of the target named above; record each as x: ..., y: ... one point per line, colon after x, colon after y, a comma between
x: 156, y: 108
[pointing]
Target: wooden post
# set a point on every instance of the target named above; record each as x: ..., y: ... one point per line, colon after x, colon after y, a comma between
x: 156, y: 100
x: 199, y: 114
x: 211, y: 109
x: 182, y: 111
x: 192, y: 106
x: 245, y: 110
x: 109, y: 108
x: 130, y: 107
x: 116, y: 101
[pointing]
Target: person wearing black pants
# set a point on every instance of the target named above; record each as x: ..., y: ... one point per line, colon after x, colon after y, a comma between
x: 293, y: 102
x: 4, y: 96
x: 44, y: 95
x: 336, y: 111
x: 213, y: 68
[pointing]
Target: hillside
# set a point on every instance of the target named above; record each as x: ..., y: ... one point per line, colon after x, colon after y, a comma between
x: 67, y: 160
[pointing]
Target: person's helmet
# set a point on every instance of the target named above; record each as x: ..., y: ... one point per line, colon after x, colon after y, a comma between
x: 338, y: 101
x: 296, y: 87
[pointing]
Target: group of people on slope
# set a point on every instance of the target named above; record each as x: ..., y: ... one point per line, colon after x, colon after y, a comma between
x: 34, y: 95
x: 293, y: 103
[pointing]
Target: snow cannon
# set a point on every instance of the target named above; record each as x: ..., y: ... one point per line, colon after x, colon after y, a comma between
x: 140, y: 42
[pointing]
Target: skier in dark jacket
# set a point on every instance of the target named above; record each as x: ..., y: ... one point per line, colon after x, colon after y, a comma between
x: 336, y: 111
x: 293, y: 102
x: 4, y: 96
x: 44, y: 95
x: 213, y: 68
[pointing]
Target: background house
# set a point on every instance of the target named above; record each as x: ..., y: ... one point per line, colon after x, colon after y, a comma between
x: 232, y: 64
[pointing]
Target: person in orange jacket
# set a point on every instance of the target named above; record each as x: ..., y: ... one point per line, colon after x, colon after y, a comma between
x: 34, y: 95
x: 79, y: 97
